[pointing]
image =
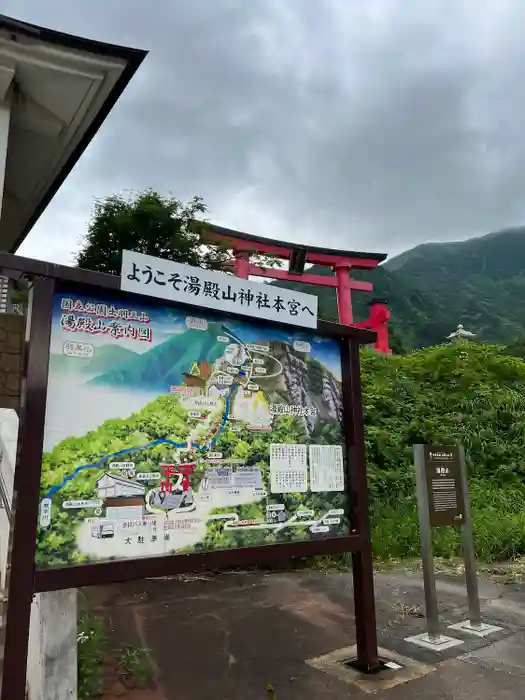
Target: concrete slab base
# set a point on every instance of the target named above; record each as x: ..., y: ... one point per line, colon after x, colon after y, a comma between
x: 482, y: 630
x: 440, y: 644
x: 398, y: 669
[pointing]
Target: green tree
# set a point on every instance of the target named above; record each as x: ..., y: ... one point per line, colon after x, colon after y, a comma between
x: 148, y: 223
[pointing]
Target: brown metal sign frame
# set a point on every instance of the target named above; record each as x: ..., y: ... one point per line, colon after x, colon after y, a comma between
x: 24, y: 580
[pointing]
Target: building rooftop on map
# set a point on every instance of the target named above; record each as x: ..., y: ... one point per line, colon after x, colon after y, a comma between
x: 172, y: 500
x: 114, y: 486
x: 56, y: 90
x: 198, y: 374
x: 193, y: 380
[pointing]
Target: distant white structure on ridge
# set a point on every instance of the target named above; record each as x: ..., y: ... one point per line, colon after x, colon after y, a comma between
x: 460, y: 334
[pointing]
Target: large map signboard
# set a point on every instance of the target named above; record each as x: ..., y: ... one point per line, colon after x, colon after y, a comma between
x: 170, y: 432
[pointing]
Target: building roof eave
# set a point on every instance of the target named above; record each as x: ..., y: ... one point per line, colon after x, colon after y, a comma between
x: 98, y: 72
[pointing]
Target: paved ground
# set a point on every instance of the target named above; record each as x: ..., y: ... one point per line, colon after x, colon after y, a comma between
x: 226, y: 637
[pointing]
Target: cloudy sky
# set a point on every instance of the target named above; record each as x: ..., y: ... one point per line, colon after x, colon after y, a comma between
x: 363, y: 124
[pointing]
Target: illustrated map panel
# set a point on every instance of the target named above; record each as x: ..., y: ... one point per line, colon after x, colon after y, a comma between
x: 169, y: 433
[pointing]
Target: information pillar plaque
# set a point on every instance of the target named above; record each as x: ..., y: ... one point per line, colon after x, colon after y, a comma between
x: 444, y: 485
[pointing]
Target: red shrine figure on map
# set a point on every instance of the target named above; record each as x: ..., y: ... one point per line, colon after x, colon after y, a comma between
x: 169, y: 470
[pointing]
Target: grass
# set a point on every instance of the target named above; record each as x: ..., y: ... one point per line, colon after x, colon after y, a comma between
x: 91, y: 643
x: 498, y: 523
x: 136, y: 666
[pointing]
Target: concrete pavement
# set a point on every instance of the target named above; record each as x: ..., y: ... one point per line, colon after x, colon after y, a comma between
x: 228, y: 636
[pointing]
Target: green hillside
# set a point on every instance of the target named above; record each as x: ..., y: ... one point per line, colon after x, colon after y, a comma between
x: 480, y: 283
x: 435, y: 286
x: 164, y: 365
x: 105, y: 359
x: 412, y: 313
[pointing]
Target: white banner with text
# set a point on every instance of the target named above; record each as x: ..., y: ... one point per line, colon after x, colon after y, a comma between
x: 163, y: 279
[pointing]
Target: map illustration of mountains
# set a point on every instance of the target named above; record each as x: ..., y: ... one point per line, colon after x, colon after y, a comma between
x: 169, y: 433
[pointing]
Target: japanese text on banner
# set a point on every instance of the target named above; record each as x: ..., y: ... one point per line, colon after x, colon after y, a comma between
x: 92, y: 318
x: 144, y: 274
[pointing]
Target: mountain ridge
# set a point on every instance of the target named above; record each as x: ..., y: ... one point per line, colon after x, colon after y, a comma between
x: 432, y: 287
x: 165, y: 364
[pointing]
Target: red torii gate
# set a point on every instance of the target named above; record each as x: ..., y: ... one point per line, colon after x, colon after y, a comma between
x: 243, y: 245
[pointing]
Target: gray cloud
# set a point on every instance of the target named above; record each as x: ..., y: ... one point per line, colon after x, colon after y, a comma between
x: 373, y: 124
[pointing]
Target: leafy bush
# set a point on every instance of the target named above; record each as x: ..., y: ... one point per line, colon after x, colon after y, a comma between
x: 468, y: 393
x: 136, y: 666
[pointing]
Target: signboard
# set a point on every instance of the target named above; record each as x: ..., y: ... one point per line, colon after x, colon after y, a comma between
x: 168, y: 432
x: 163, y: 279
x: 444, y: 486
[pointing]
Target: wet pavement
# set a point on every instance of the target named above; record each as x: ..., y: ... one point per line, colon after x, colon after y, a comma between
x: 226, y: 637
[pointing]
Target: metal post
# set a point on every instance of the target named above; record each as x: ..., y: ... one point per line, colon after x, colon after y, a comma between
x: 427, y: 554
x: 469, y: 556
x: 26, y: 491
x: 362, y: 562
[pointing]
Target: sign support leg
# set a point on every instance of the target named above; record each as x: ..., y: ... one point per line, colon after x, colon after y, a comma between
x: 475, y: 624
x: 469, y: 556
x: 471, y: 576
x: 427, y: 554
x: 362, y: 561
x: 365, y: 619
x: 26, y: 493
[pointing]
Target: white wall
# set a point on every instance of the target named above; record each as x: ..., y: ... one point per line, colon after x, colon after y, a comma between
x: 52, y: 658
x: 52, y: 644
x: 8, y: 443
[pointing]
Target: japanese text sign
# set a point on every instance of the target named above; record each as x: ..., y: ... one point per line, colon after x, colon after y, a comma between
x: 156, y: 277
x: 444, y: 487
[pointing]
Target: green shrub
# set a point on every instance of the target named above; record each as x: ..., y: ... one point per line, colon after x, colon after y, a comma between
x: 136, y: 666
x: 91, y: 642
x: 458, y: 393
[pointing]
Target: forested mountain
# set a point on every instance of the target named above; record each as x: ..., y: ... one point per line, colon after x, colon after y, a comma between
x: 433, y: 287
